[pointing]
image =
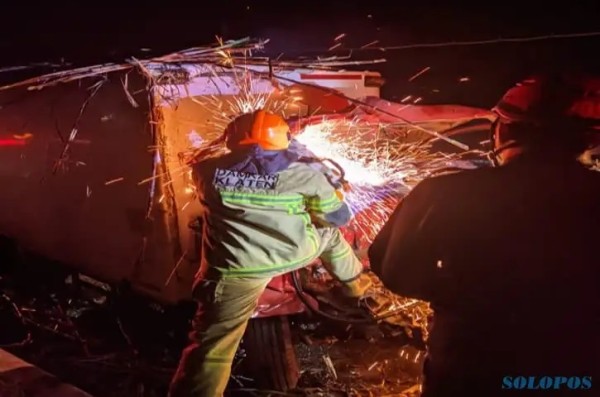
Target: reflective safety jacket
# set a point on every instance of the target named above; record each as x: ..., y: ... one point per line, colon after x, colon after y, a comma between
x: 261, y: 224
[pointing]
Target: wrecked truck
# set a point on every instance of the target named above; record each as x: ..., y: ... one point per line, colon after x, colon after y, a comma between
x: 93, y: 170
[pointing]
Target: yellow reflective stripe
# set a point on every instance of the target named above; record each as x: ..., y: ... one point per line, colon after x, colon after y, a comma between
x: 343, y: 253
x: 274, y: 268
x: 318, y: 200
x: 323, y: 205
x: 287, y: 198
x: 260, y: 199
x: 327, y: 208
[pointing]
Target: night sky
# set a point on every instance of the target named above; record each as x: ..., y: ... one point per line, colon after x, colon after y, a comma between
x: 89, y: 34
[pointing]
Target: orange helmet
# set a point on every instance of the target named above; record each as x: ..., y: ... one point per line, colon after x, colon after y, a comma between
x: 570, y: 101
x: 267, y: 130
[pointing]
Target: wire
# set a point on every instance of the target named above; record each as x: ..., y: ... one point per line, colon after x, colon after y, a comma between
x: 523, y: 39
x: 333, y: 92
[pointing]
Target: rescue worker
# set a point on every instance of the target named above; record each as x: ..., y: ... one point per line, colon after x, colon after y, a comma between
x: 262, y: 208
x: 508, y: 256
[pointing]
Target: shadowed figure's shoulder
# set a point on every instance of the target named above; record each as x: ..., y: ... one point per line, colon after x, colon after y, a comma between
x: 455, y: 181
x: 521, y: 170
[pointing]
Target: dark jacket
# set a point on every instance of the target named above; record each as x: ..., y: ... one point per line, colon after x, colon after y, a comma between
x: 509, y: 258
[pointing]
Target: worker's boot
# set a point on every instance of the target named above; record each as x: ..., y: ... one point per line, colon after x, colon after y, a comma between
x: 357, y: 287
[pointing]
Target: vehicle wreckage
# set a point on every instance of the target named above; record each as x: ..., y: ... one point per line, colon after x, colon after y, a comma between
x: 94, y: 162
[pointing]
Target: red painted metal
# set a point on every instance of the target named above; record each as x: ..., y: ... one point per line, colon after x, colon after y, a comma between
x: 279, y: 299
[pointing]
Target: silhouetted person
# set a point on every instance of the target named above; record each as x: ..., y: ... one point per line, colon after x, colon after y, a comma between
x: 509, y: 256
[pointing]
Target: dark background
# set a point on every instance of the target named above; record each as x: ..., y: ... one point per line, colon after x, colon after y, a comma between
x: 99, y: 32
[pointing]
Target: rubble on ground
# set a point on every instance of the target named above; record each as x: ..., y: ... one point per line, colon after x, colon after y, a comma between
x: 119, y: 344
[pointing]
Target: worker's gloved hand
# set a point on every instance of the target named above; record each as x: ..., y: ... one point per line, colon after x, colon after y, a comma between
x: 358, y: 287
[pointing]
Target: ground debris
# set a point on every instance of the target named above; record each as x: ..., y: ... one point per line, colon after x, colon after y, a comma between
x: 110, y: 342
x: 406, y: 314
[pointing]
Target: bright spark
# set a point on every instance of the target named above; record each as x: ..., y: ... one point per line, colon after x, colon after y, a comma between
x: 318, y: 138
x: 380, y: 162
